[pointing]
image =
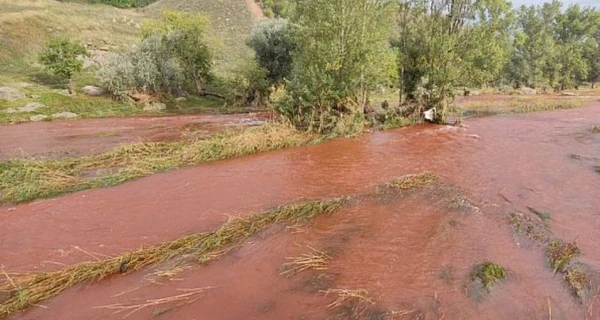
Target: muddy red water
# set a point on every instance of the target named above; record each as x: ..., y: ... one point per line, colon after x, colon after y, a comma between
x: 413, y: 254
x: 74, y: 138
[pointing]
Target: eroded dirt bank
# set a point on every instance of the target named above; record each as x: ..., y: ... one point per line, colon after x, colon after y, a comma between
x: 75, y: 138
x: 412, y: 254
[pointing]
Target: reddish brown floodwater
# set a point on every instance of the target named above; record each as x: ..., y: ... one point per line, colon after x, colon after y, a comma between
x: 74, y: 138
x: 413, y: 254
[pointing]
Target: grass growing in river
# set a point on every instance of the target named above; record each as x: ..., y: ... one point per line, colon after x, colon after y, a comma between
x: 25, y: 180
x: 20, y: 292
x: 489, y: 274
x: 596, y: 129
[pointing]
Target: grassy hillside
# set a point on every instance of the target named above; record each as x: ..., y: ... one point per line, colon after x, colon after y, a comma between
x: 26, y: 25
x: 231, y: 23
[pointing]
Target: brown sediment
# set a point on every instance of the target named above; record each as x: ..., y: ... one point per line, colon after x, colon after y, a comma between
x: 411, y: 255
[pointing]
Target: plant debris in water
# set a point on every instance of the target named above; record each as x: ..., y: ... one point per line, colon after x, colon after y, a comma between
x: 313, y: 260
x: 351, y: 304
x: 545, y: 216
x: 528, y: 228
x: 560, y: 254
x: 412, y: 181
x: 20, y: 292
x: 489, y: 274
x: 578, y: 280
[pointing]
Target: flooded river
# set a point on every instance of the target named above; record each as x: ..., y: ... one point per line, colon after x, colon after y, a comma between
x: 412, y: 254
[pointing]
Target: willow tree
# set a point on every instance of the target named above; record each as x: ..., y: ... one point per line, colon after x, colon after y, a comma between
x: 341, y: 47
x: 433, y: 37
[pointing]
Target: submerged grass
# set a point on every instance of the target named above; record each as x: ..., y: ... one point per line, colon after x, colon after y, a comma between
x: 560, y: 254
x: 412, y: 181
x: 312, y: 260
x: 20, y: 292
x: 351, y: 304
x: 25, y: 180
x: 489, y: 274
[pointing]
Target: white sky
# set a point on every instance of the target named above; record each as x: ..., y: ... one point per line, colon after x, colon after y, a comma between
x: 592, y: 3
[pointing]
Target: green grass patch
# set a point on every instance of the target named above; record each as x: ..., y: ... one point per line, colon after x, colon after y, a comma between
x: 489, y: 274
x: 561, y: 254
x: 20, y: 292
x: 26, y: 180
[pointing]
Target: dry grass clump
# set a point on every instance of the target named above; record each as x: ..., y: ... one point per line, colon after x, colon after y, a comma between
x: 25, y: 180
x: 351, y: 303
x: 529, y: 228
x: 313, y: 260
x: 596, y: 129
x: 560, y: 254
x: 412, y: 181
x: 578, y: 280
x: 20, y: 292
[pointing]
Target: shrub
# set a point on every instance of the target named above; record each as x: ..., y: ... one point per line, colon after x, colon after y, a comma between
x: 273, y: 43
x: 172, y: 56
x: 150, y: 68
x: 60, y: 58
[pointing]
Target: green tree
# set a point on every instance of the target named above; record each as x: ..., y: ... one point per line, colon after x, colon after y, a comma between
x: 61, y: 58
x: 531, y: 63
x: 574, y: 33
x: 339, y: 49
x: 185, y: 33
x: 274, y: 44
x: 488, y: 51
x: 434, y: 38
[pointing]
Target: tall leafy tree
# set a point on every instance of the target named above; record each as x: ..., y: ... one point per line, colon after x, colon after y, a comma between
x: 340, y: 47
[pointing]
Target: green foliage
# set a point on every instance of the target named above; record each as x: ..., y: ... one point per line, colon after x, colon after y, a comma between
x: 554, y: 48
x: 432, y: 45
x: 60, y: 57
x: 339, y: 50
x: 172, y: 56
x: 190, y: 46
x: 151, y: 67
x: 273, y: 44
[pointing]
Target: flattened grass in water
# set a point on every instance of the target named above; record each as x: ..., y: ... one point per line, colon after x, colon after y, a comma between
x: 18, y: 293
x: 412, y: 181
x: 560, y: 254
x: 26, y: 180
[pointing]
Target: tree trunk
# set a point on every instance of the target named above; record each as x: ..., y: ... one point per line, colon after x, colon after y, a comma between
x: 71, y: 87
